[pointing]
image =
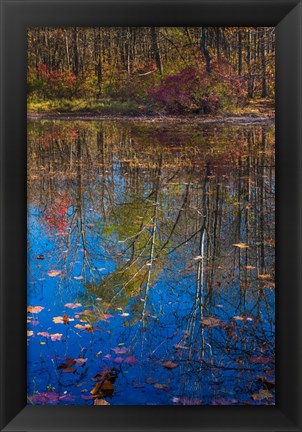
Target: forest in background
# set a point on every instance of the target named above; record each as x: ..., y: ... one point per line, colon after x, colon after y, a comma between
x: 151, y: 70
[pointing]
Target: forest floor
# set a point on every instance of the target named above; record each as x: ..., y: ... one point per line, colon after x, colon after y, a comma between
x: 259, y: 110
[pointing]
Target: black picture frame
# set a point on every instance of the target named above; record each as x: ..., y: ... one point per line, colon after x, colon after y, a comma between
x: 16, y: 16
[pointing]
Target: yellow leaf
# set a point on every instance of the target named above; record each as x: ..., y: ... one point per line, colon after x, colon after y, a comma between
x: 54, y: 273
x: 241, y: 245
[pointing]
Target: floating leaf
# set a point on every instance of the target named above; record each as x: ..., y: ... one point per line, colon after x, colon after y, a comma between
x: 58, y: 320
x: 241, y: 245
x: 87, y: 327
x: 125, y: 314
x: 78, y: 277
x: 119, y: 350
x: 160, y: 386
x: 249, y: 267
x: 242, y: 318
x: 265, y: 277
x: 211, y: 322
x: 169, y: 365
x: 118, y: 360
x: 80, y: 361
x: 44, y: 334
x: 30, y: 333
x: 73, y: 305
x: 100, y: 402
x: 263, y: 394
x: 130, y: 360
x: 54, y: 273
x: 56, y: 336
x: 178, y: 346
x: 34, y: 309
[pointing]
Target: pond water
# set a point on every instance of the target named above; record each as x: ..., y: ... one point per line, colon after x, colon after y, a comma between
x: 151, y: 254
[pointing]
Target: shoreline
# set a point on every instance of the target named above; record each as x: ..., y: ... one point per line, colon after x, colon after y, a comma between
x: 190, y: 118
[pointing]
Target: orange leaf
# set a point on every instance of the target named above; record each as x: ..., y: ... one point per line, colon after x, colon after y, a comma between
x: 34, y: 309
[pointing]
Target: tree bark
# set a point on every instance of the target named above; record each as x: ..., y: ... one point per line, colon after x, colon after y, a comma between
x: 155, y: 49
x: 203, y: 43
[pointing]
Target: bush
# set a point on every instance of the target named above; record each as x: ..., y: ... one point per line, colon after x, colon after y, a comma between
x: 194, y: 90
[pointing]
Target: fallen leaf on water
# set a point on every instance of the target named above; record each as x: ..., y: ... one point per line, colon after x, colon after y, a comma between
x: 44, y: 334
x: 264, y: 276
x: 263, y: 394
x: 105, y: 317
x: 160, y: 386
x: 73, y: 305
x: 58, y: 320
x: 249, y: 267
x: 54, y: 273
x: 242, y: 318
x: 34, y: 309
x: 80, y: 361
x: 125, y: 314
x: 87, y: 327
x: 118, y: 360
x: 30, y: 333
x: 65, y: 319
x: 130, y: 360
x: 119, y: 350
x: 211, y: 322
x: 78, y: 277
x: 68, y: 370
x: 68, y: 362
x: 96, y: 388
x: 241, y: 245
x: 56, y: 336
x: 169, y: 365
x: 40, y: 257
x: 100, y: 402
x: 178, y: 346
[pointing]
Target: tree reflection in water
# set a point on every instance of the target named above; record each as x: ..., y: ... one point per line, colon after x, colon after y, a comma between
x: 160, y: 240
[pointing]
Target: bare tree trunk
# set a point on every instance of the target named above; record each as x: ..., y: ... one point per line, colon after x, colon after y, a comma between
x: 155, y: 49
x: 203, y: 43
x: 75, y: 52
x: 263, y: 65
x: 239, y: 53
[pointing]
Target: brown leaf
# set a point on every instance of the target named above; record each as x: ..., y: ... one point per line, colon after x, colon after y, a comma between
x: 107, y: 388
x: 96, y: 388
x: 170, y: 365
x: 30, y: 333
x: 100, y: 402
x: 263, y: 394
x: 68, y: 369
x: 160, y: 386
x: 65, y: 319
x: 211, y: 322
